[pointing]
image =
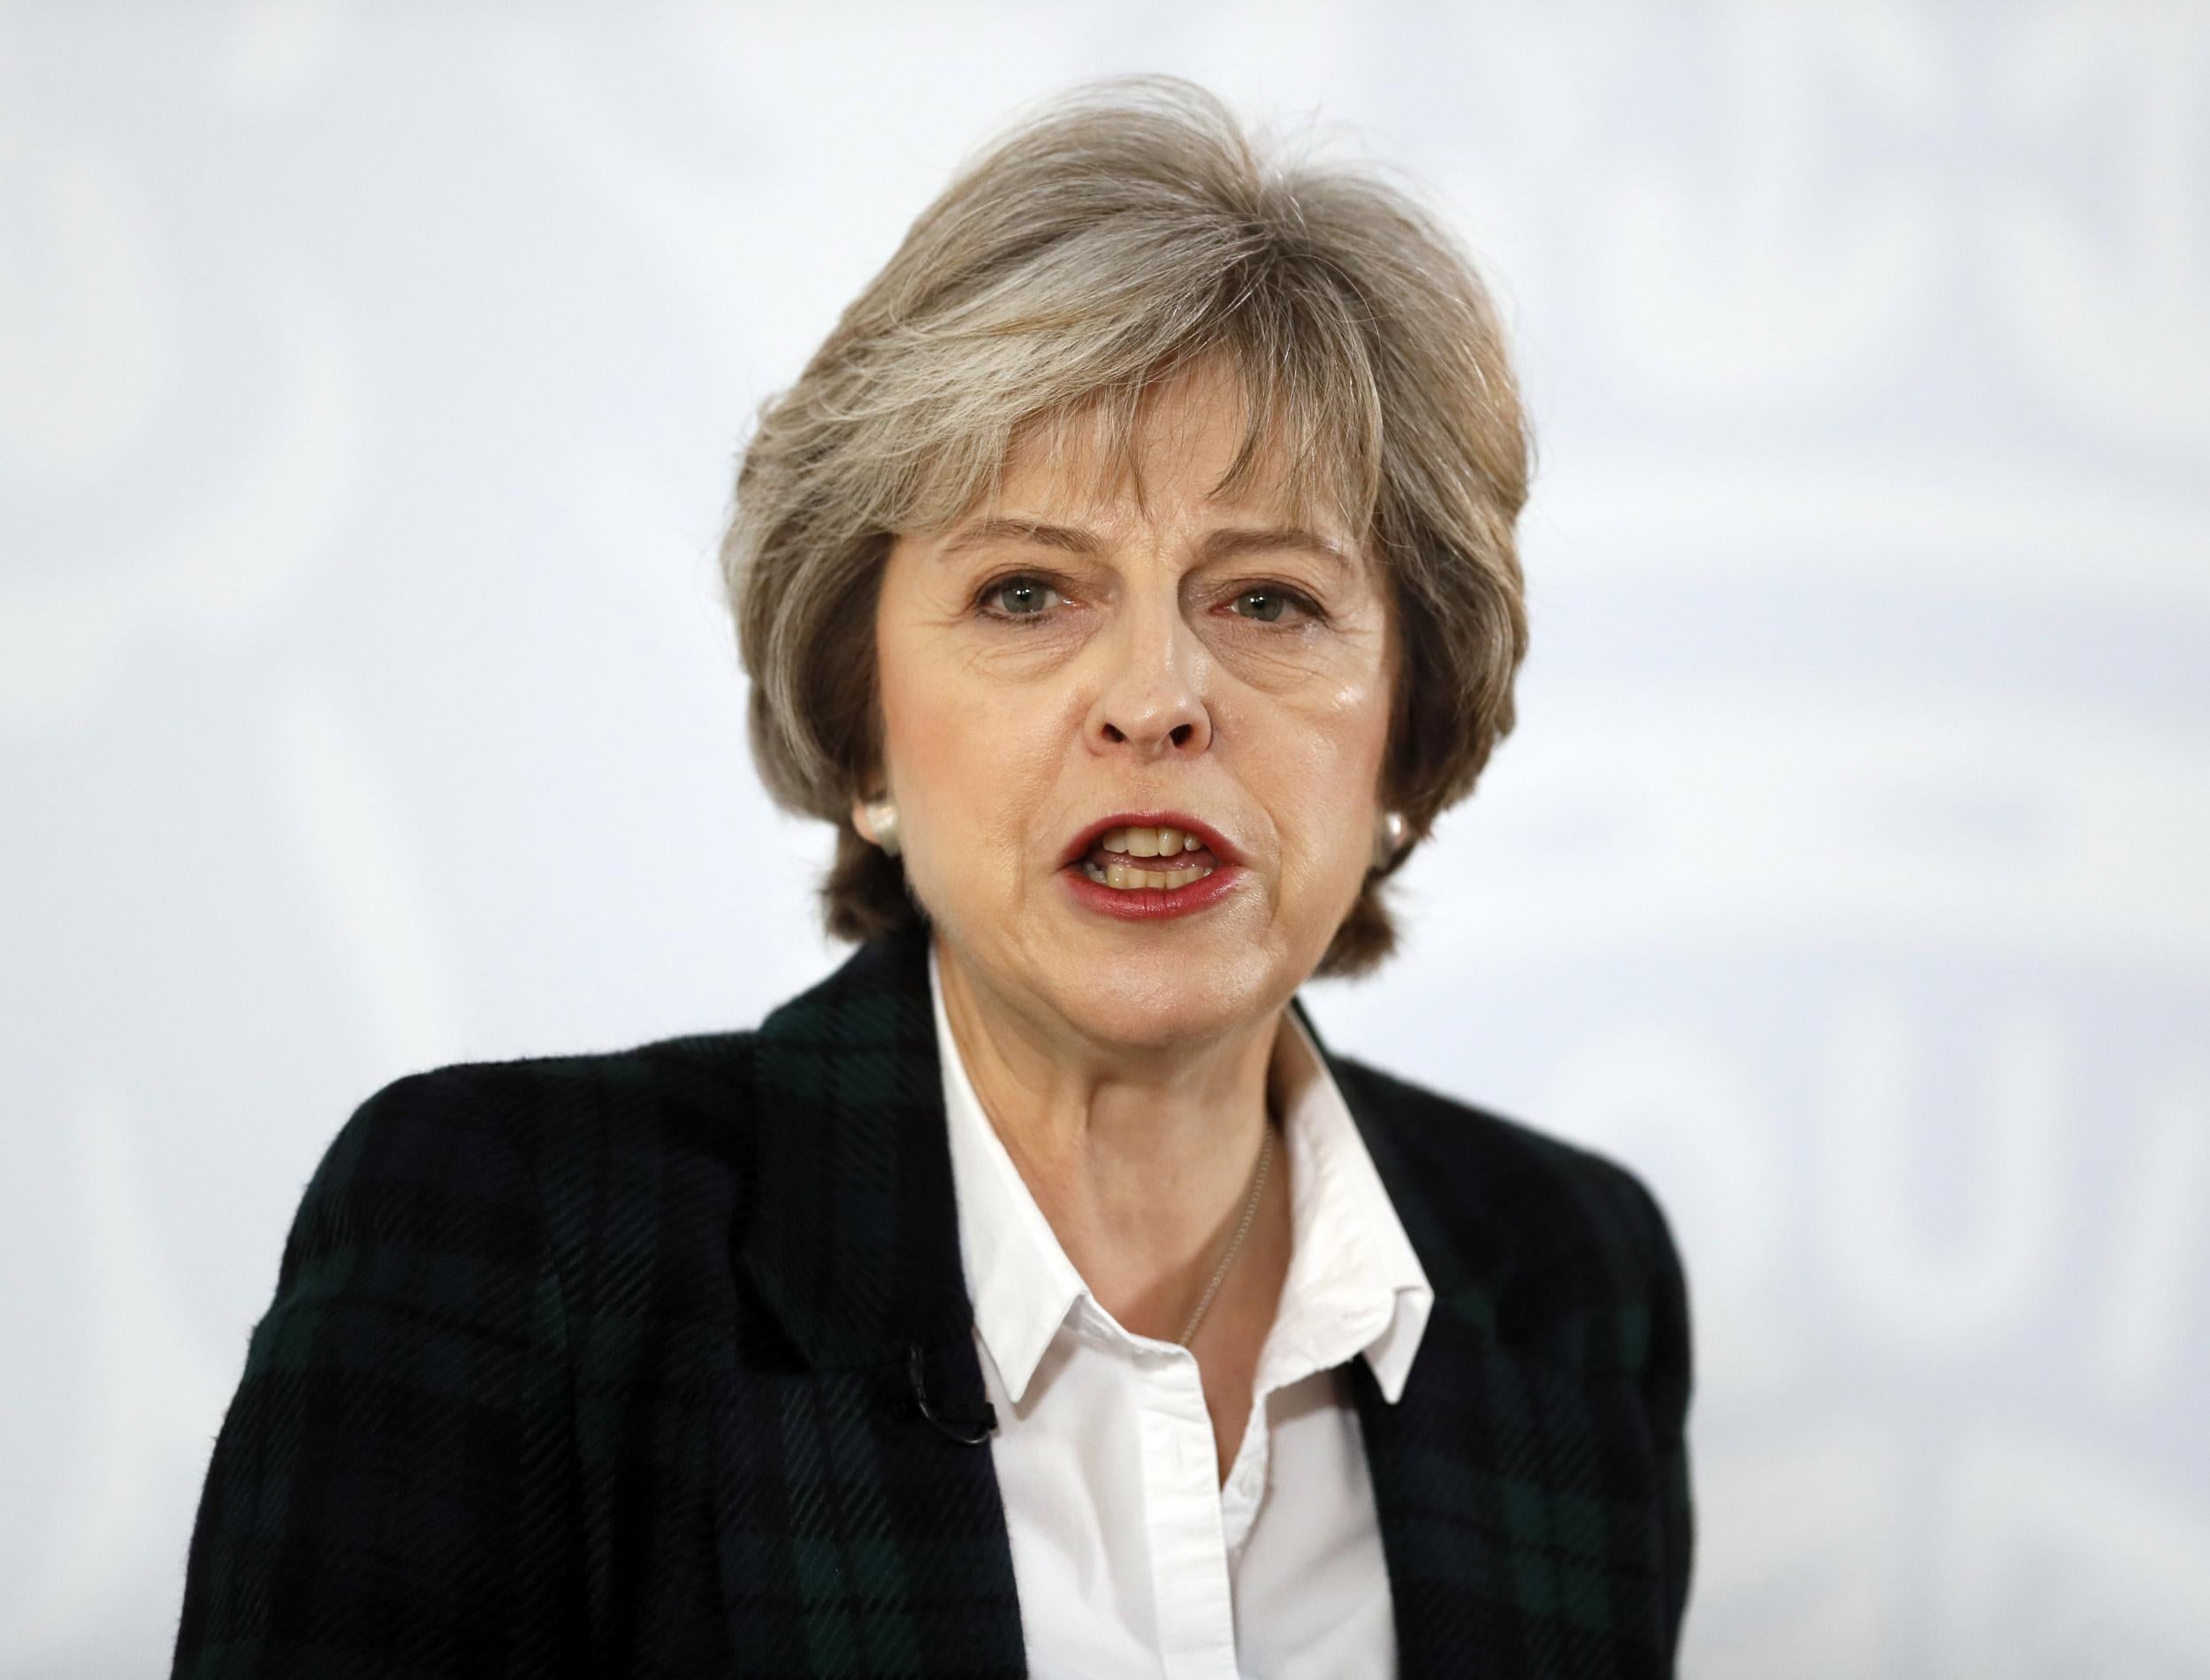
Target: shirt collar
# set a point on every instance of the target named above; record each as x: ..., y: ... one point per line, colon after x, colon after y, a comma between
x: 1355, y: 1287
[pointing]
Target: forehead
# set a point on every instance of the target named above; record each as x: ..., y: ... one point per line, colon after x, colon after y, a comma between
x: 1190, y: 441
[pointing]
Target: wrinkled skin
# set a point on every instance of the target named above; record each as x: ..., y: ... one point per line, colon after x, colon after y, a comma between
x: 1028, y: 691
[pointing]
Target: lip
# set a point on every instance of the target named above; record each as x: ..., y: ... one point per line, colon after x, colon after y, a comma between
x: 1150, y: 903
x: 1216, y: 842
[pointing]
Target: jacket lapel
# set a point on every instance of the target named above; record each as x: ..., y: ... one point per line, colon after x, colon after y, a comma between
x: 1427, y: 1453
x: 856, y: 1536
x: 1512, y: 1485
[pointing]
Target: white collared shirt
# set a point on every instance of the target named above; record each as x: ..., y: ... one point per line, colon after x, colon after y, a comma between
x: 1130, y: 1556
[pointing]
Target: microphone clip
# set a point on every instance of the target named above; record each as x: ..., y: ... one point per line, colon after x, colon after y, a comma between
x: 969, y: 1428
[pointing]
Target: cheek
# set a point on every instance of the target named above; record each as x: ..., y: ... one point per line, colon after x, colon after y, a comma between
x: 969, y: 766
x: 1323, y: 763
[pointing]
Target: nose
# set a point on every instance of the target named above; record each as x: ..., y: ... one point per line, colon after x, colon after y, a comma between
x: 1151, y: 700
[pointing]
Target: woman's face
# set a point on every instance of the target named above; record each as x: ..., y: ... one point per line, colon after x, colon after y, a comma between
x: 1180, y: 658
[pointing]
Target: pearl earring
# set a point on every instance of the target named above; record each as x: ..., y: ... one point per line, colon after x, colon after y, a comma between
x: 882, y: 819
x: 1389, y: 838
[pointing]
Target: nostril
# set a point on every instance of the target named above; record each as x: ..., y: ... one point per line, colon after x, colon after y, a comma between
x: 1112, y: 733
x: 1180, y: 733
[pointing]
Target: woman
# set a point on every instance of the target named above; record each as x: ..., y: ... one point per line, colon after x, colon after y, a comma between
x: 1129, y: 577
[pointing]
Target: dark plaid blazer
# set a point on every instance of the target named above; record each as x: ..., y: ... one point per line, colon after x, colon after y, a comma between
x: 604, y: 1365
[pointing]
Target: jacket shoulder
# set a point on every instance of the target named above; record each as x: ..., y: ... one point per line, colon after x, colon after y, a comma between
x: 542, y: 1163
x: 466, y: 1259
x: 1571, y: 1241
x: 537, y: 1109
x: 576, y: 1090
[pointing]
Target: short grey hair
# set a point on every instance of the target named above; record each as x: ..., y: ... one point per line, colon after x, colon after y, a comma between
x: 1126, y: 230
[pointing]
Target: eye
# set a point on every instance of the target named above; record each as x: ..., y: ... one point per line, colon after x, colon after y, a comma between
x: 1266, y: 604
x: 1018, y: 598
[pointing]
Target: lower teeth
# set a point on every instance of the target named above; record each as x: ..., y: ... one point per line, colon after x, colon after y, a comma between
x: 1124, y: 879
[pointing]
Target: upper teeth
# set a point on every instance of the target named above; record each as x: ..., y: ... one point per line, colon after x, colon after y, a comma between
x: 1150, y: 842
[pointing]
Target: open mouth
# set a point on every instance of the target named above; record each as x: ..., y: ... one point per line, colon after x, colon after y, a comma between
x: 1132, y: 859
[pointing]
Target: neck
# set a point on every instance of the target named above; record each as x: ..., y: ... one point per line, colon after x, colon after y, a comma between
x: 1141, y: 1160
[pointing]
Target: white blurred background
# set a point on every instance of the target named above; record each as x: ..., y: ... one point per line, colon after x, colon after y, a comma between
x: 370, y: 378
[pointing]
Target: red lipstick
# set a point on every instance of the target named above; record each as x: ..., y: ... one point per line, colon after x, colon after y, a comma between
x: 1147, y: 903
x: 1216, y: 842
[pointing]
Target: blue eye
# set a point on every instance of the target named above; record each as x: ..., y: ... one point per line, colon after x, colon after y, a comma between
x: 1266, y: 605
x: 1020, y: 597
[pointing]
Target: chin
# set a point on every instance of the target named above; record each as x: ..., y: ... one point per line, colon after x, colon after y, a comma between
x: 1154, y: 993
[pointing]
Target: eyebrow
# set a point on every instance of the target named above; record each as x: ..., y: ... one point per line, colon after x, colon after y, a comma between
x: 1228, y: 544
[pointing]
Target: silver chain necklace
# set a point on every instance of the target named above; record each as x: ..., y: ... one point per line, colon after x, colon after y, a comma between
x: 1243, y: 1228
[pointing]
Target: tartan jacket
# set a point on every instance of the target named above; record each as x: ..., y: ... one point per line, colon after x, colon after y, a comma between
x: 604, y: 1365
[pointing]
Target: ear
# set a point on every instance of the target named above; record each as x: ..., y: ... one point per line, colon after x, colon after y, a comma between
x: 859, y: 821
